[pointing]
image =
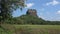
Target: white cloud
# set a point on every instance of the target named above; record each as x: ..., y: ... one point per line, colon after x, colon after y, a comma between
x: 54, y: 2
x: 58, y: 12
x: 29, y: 5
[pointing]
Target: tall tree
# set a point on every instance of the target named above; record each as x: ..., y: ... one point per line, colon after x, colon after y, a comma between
x: 7, y: 7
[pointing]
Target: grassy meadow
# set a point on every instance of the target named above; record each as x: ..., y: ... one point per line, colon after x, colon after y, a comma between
x: 30, y: 29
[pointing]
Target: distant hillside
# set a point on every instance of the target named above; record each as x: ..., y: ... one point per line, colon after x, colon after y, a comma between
x: 31, y: 18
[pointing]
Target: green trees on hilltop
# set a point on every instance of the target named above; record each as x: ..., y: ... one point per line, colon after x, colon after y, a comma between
x: 28, y: 19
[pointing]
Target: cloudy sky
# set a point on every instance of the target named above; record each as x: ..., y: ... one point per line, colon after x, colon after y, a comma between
x: 46, y: 9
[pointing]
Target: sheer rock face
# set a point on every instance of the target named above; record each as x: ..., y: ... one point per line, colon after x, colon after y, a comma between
x: 32, y: 12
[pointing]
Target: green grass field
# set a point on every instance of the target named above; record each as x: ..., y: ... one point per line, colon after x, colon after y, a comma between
x: 31, y: 29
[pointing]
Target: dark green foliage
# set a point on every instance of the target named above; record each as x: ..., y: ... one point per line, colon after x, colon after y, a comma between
x: 7, y: 7
x: 27, y: 19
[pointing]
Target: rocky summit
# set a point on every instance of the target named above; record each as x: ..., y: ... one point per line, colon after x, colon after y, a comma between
x: 32, y: 12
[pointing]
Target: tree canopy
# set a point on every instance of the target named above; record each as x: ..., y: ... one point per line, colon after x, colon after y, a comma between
x: 7, y: 7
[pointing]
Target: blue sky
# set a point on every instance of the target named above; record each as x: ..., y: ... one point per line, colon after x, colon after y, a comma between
x: 46, y: 9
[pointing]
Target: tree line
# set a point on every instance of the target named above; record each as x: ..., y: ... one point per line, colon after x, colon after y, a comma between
x: 28, y: 19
